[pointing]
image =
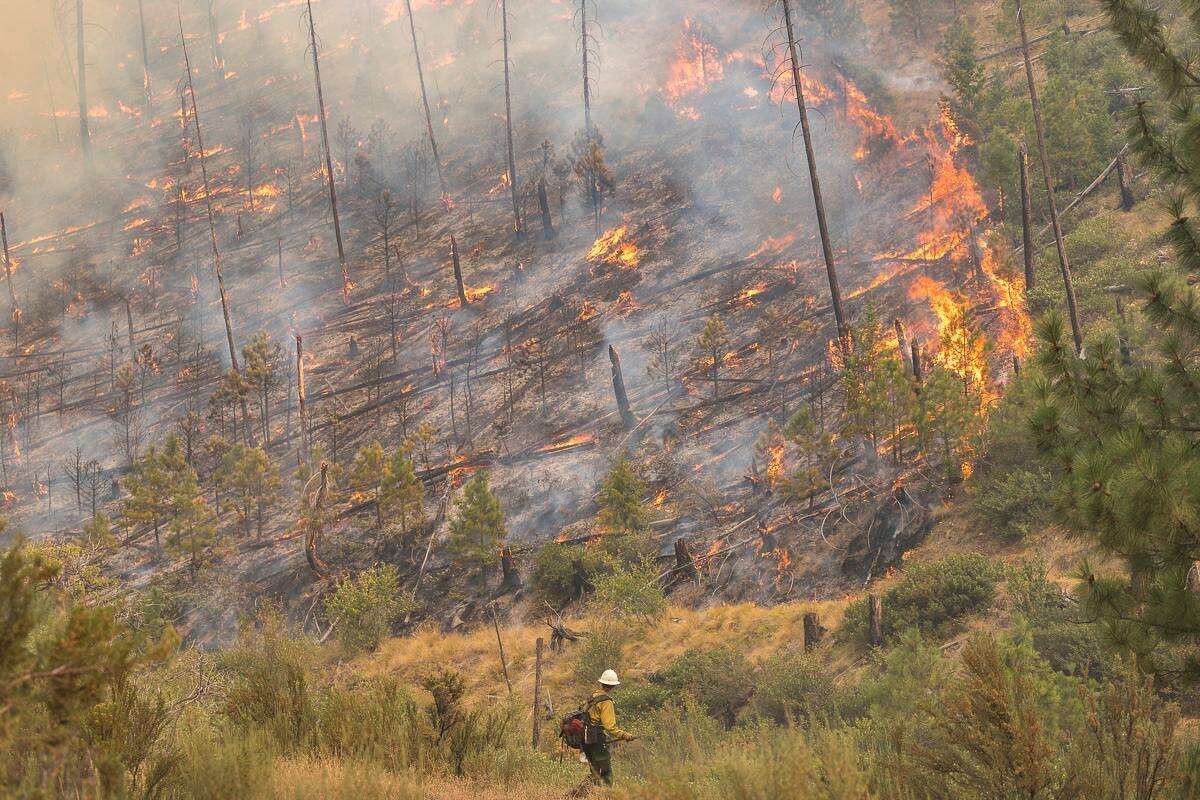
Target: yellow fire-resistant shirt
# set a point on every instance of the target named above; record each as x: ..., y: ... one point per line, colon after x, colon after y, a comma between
x: 604, y: 714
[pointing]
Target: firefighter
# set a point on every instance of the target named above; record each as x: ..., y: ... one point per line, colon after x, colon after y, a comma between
x: 602, y: 713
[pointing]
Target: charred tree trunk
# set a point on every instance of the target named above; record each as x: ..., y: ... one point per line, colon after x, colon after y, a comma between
x: 537, y: 693
x: 300, y: 400
x: 458, y: 276
x: 53, y: 104
x: 874, y: 620
x: 313, y: 538
x: 337, y: 225
x: 823, y: 226
x: 512, y: 162
x: 544, y: 206
x: 212, y: 232
x: 813, y: 631
x: 508, y: 565
x: 214, y: 37
x: 8, y: 279
x: 129, y: 329
x: 437, y: 159
x: 901, y: 340
x: 593, y: 188
x: 618, y: 381
x: 916, y: 363
x: 1026, y: 220
x: 145, y: 55
x: 1063, y: 262
x: 85, y: 136
x: 685, y: 565
x: 1125, y: 182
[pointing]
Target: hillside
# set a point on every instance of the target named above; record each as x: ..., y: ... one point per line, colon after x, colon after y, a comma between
x: 827, y: 370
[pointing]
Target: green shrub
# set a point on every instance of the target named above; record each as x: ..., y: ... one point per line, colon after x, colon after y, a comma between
x: 601, y: 650
x: 554, y: 572
x: 364, y: 607
x: 268, y: 685
x: 631, y: 591
x: 721, y: 680
x: 216, y: 764
x: 929, y: 597
x: 376, y: 720
x: 1073, y: 649
x: 1012, y: 501
x: 1033, y: 595
x: 793, y: 685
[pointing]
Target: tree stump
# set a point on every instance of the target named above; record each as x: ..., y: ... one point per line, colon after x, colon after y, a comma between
x: 685, y: 567
x: 813, y: 631
x: 1125, y: 182
x: 874, y: 620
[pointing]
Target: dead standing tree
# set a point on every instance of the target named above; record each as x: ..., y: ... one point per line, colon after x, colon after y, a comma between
x: 585, y: 42
x: 1026, y: 220
x: 212, y: 233
x: 85, y: 136
x: 437, y: 160
x: 508, y: 128
x: 8, y: 279
x: 337, y: 225
x: 145, y: 54
x: 1063, y: 263
x: 835, y: 293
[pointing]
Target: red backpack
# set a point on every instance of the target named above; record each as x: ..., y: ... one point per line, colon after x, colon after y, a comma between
x: 577, y: 729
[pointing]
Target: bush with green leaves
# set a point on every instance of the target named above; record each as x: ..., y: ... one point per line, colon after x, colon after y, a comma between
x: 554, y: 569
x: 721, y: 680
x: 364, y: 607
x: 929, y: 597
x: 629, y: 591
x: 791, y: 686
x: 600, y: 650
x: 1012, y: 502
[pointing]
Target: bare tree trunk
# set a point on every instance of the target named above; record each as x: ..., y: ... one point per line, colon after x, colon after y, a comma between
x: 618, y: 382
x: 901, y: 340
x: 212, y: 232
x: 593, y: 189
x: 437, y: 159
x: 537, y: 693
x: 458, y: 276
x: 85, y: 136
x: 8, y: 279
x: 874, y: 620
x: 812, y: 631
x: 214, y: 37
x: 337, y: 225
x: 145, y: 55
x: 1026, y: 220
x: 129, y: 329
x: 544, y: 206
x: 53, y: 105
x: 1063, y: 262
x: 512, y: 163
x: 823, y: 226
x: 500, y: 647
x: 303, y: 450
x: 1125, y: 182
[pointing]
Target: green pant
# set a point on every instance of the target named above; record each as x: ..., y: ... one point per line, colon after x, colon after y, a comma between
x: 600, y: 760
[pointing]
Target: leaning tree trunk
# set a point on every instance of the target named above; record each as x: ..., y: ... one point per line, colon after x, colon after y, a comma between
x: 1063, y: 262
x: 437, y: 160
x: 822, y: 225
x: 145, y: 55
x: 456, y: 263
x: 1026, y: 221
x: 508, y: 128
x: 618, y: 382
x: 85, y: 136
x: 212, y: 233
x: 337, y: 225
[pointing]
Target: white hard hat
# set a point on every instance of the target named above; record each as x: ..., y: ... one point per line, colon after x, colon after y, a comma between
x: 609, y: 678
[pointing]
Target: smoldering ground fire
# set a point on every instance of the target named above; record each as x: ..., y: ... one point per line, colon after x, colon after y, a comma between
x: 491, y: 340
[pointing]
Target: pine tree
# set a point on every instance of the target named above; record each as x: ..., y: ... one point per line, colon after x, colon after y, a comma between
x: 1125, y: 437
x: 248, y: 474
x: 149, y: 490
x: 478, y: 531
x: 959, y: 63
x: 193, y: 523
x: 366, y: 474
x: 260, y: 371
x: 622, y: 509
x: 712, y: 342
x: 402, y: 493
